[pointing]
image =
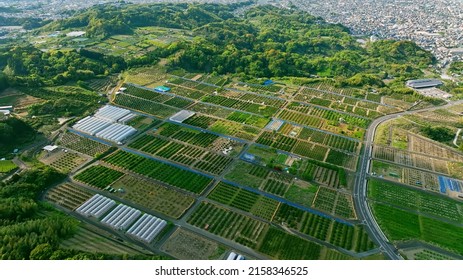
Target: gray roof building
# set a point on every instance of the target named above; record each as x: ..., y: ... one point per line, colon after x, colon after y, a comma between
x: 424, y: 83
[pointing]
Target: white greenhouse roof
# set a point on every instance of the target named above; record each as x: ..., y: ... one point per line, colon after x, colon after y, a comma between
x: 147, y: 228
x: 182, y: 116
x: 121, y: 217
x: 111, y: 113
x: 96, y: 206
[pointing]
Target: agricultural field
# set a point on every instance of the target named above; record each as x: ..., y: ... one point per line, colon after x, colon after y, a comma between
x: 191, y: 156
x: 424, y: 254
x: 98, y: 176
x: 423, y: 202
x: 259, y: 177
x: 145, y: 76
x: 229, y: 224
x: 365, y: 107
x: 186, y: 245
x: 308, y: 149
x: 319, y: 137
x: 68, y: 196
x: 153, y: 196
x: 63, y: 161
x: 142, y: 123
x: 410, y: 159
x: 201, y: 139
x: 302, y: 193
x: 323, y: 228
x: 17, y: 99
x: 7, y: 166
x: 409, y: 176
x: 103, y: 85
x: 83, y: 145
x: 162, y: 172
x: 329, y: 120
x: 244, y: 200
x: 400, y: 225
x: 88, y: 239
x: 335, y: 203
x: 281, y: 245
x: 145, y: 106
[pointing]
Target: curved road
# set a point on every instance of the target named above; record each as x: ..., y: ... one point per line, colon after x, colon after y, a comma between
x: 360, y: 188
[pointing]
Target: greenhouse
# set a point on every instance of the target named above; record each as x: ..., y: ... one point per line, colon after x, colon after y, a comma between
x: 147, y: 228
x: 96, y: 206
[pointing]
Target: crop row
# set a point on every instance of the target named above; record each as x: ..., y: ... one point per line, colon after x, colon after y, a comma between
x: 182, y: 153
x: 324, y: 228
x: 162, y: 172
x: 98, y: 176
x: 157, y: 97
x: 244, y: 200
x: 83, y: 144
x: 416, y: 200
x: 139, y: 104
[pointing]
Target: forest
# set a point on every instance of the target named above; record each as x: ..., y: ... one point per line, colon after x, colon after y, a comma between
x: 264, y: 42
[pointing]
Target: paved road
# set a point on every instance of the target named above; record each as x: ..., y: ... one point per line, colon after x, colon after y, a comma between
x: 360, y: 189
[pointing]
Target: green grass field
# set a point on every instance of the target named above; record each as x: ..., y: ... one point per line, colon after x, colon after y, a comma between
x: 7, y: 166
x: 417, y: 200
x: 401, y: 225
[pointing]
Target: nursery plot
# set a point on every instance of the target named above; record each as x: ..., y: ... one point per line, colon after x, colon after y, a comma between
x: 229, y: 224
x: 244, y: 200
x: 153, y: 196
x: 83, y: 145
x: 419, y: 144
x: 146, y: 106
x: 169, y: 174
x: 68, y: 196
x: 186, y: 245
x: 98, y: 176
x: 281, y: 245
x: 437, y: 206
x: 323, y: 228
x: 402, y: 225
x: 63, y: 161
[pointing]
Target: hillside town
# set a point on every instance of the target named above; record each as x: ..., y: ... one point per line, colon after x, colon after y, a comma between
x: 434, y: 25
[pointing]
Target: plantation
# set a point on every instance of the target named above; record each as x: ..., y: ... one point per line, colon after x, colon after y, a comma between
x: 83, y: 145
x: 340, y: 234
x: 146, y: 106
x: 244, y: 200
x: 153, y: 196
x: 259, y: 177
x: 98, y: 176
x: 228, y: 224
x: 401, y: 225
x: 68, y: 196
x: 162, y: 172
x: 281, y: 245
x: 423, y: 202
x: 198, y: 158
x: 63, y: 161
